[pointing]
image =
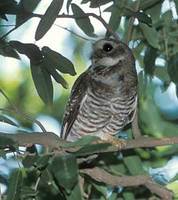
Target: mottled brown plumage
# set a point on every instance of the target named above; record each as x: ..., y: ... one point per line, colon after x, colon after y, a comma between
x: 103, y: 98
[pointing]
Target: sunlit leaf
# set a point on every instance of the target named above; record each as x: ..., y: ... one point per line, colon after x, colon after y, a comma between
x: 48, y: 18
x: 134, y: 164
x: 82, y: 20
x: 65, y: 171
x: 101, y: 188
x: 85, y: 140
x: 13, y: 192
x: 60, y: 62
x: 150, y: 35
x: 91, y: 149
x: 7, y: 120
x: 128, y: 196
x: 43, y: 83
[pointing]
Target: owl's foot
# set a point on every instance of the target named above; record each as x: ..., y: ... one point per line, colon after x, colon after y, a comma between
x: 118, y: 143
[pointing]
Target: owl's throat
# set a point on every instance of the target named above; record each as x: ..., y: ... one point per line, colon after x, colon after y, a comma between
x: 107, y: 61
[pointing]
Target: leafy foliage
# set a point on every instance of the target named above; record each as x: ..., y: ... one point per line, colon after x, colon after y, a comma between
x: 47, y: 174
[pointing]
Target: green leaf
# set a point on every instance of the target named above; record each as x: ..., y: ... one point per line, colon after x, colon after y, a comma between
x: 8, y: 7
x: 51, y: 69
x: 29, y: 160
x: 128, y: 196
x: 48, y: 18
x: 42, y: 161
x: 85, y: 1
x: 85, y: 140
x: 75, y: 193
x: 150, y: 34
x: 134, y: 165
x: 26, y: 7
x: 7, y: 50
x: 144, y: 5
x: 101, y: 188
x: 60, y: 62
x: 65, y: 171
x: 7, y: 120
x: 43, y: 82
x: 5, y: 141
x: 32, y: 51
x: 116, y: 13
x: 144, y: 18
x: 82, y: 20
x: 176, y: 3
x: 15, y: 184
x: 28, y: 192
x: 155, y: 12
x: 149, y: 60
x: 97, y: 3
x: 173, y: 68
x: 91, y: 149
x: 68, y: 4
x: 3, y: 16
x: 161, y: 73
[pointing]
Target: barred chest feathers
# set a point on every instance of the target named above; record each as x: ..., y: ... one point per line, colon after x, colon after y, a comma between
x: 108, y: 93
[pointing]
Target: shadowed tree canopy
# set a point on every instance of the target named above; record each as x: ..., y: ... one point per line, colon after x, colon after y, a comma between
x: 48, y: 167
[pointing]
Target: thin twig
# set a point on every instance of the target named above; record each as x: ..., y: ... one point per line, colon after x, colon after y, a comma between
x: 130, y: 24
x: 17, y: 26
x: 6, y: 25
x: 72, y: 32
x: 99, y: 18
x: 101, y: 175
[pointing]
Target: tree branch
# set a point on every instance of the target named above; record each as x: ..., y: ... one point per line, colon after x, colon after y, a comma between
x: 24, y: 138
x: 99, y: 18
x: 101, y: 175
x: 51, y: 140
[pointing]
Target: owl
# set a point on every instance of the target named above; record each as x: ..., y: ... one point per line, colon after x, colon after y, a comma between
x: 103, y: 99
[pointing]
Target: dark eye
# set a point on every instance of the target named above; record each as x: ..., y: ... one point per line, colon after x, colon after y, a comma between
x: 107, y: 47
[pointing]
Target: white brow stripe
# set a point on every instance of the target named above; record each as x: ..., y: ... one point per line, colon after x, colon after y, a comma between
x: 108, y: 61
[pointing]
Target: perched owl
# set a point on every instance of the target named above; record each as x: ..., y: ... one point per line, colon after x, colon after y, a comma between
x: 103, y: 99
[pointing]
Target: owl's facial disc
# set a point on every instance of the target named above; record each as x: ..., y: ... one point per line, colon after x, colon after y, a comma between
x: 107, y: 53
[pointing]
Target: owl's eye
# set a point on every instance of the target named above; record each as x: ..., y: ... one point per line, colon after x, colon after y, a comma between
x: 107, y: 47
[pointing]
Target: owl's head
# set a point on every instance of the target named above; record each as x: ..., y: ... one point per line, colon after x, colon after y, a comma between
x: 109, y: 52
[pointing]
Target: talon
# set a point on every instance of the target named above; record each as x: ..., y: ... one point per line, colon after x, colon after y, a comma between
x: 118, y: 143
